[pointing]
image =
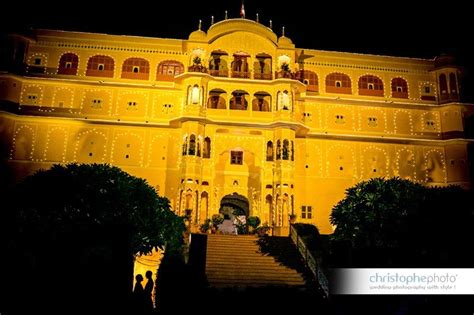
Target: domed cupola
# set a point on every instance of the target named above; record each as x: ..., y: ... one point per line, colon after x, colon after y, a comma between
x: 198, y: 35
x: 285, y: 42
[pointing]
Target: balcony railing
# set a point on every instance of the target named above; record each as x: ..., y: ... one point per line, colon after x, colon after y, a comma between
x: 241, y: 74
x: 219, y: 73
x: 284, y: 75
x: 262, y: 76
x: 197, y: 68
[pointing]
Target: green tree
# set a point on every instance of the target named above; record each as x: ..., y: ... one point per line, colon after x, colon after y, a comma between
x: 395, y: 221
x: 374, y: 213
x: 97, y: 196
x: 90, y: 221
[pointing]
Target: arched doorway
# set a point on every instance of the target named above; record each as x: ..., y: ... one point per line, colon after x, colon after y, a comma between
x: 234, y: 205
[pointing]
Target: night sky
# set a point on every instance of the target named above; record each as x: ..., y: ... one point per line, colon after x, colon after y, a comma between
x: 399, y: 28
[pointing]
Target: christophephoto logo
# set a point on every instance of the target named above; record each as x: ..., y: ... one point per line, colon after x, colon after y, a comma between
x: 414, y: 281
x: 403, y: 281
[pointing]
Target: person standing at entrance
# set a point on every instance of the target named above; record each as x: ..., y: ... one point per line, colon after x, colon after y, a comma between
x: 138, y: 295
x: 148, y: 292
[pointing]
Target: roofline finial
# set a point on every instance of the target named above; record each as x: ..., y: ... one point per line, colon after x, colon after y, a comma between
x: 271, y: 24
x: 256, y: 18
x: 212, y: 19
x: 225, y: 15
x: 283, y: 31
x: 200, y: 23
x: 242, y: 10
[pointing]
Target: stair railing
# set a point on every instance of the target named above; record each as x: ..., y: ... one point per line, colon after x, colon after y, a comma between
x: 309, y: 259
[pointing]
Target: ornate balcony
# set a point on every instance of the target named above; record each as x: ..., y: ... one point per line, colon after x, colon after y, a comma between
x: 219, y: 73
x: 241, y: 74
x: 262, y: 76
x: 284, y: 75
x: 197, y: 68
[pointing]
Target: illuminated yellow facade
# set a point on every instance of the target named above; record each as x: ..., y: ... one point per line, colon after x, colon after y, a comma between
x: 234, y: 110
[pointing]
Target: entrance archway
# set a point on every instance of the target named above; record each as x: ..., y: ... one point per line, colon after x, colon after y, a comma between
x: 234, y: 205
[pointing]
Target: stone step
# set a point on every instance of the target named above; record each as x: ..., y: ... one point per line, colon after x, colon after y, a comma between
x: 264, y: 265
x: 268, y: 282
x: 252, y: 274
x: 231, y: 255
x: 232, y: 243
x: 239, y: 248
x: 260, y: 267
x: 236, y: 261
x: 234, y: 238
x: 254, y: 282
x: 243, y: 269
x: 241, y: 259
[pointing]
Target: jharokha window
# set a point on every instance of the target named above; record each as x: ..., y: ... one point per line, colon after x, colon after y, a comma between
x: 370, y: 85
x: 100, y: 66
x: 218, y: 66
x: 236, y: 157
x: 453, y: 87
x: 240, y: 67
x: 135, y: 68
x: 399, y: 88
x: 168, y: 69
x: 206, y: 150
x: 238, y: 100
x: 269, y: 151
x: 309, y: 78
x: 68, y: 64
x: 338, y: 83
x: 263, y: 67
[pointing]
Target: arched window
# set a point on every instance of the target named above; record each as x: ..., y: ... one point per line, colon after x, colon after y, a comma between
x: 370, y: 85
x: 136, y: 68
x: 338, y: 83
x: 443, y: 85
x: 269, y: 151
x: 218, y: 63
x: 292, y: 150
x: 278, y: 155
x: 206, y: 151
x: 309, y: 78
x: 192, y: 145
x: 238, y: 100
x: 68, y: 64
x: 216, y: 99
x: 195, y: 94
x: 100, y: 66
x: 453, y: 87
x: 286, y: 150
x: 240, y: 67
x: 185, y: 145
x: 261, y: 102
x: 168, y: 69
x: 399, y: 88
x: 198, y: 153
x: 285, y: 102
x: 262, y: 67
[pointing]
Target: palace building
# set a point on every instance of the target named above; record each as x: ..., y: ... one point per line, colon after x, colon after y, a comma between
x: 235, y: 117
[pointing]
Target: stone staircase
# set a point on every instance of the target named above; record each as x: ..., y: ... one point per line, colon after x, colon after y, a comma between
x: 234, y: 261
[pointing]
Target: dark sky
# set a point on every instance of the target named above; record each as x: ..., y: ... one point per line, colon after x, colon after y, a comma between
x: 390, y: 27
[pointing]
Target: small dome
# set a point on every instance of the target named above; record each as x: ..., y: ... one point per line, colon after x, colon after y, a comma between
x: 284, y: 41
x: 198, y: 36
